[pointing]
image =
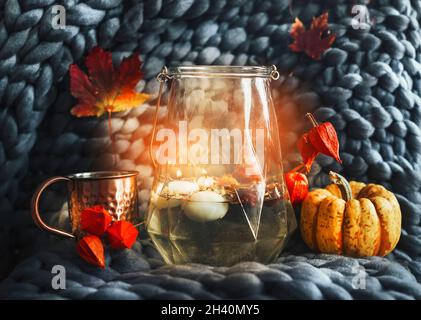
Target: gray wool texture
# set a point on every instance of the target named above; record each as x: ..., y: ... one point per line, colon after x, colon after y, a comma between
x: 368, y: 85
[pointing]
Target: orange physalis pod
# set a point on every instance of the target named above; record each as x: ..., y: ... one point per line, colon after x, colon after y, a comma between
x: 307, y: 150
x: 122, y: 234
x: 95, y: 220
x: 91, y: 250
x: 297, y: 184
x: 324, y: 139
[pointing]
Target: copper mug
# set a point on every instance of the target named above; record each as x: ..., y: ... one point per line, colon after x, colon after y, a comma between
x: 116, y: 191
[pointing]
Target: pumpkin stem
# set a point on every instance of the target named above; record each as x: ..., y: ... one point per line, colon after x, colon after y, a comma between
x: 343, y: 185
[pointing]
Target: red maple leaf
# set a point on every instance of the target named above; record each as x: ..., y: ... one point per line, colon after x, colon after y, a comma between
x: 106, y: 88
x: 313, y: 41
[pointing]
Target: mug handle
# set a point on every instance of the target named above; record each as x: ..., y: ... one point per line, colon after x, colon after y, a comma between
x: 35, y: 207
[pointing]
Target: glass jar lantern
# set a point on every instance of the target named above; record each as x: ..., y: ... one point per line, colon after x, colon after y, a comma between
x: 218, y: 195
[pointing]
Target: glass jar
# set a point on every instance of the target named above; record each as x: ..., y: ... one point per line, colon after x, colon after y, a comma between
x: 219, y: 195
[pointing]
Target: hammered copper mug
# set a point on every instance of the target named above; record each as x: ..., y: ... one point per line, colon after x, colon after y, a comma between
x: 116, y: 191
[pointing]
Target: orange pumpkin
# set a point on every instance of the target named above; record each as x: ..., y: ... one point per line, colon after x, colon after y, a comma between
x: 352, y: 218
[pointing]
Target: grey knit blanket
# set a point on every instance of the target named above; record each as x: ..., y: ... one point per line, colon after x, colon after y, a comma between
x: 368, y: 85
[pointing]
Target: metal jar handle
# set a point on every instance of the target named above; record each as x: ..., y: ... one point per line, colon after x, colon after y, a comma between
x: 162, y: 77
x: 35, y: 207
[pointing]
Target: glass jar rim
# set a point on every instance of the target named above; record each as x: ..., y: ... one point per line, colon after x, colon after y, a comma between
x: 220, y: 71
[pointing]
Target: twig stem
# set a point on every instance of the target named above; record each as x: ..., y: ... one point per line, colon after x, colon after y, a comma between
x: 111, y: 136
x: 312, y: 119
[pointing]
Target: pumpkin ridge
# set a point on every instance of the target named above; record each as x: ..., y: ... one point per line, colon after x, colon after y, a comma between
x: 350, y: 244
x: 360, y: 232
x: 309, y: 212
x: 314, y: 230
x: 341, y: 233
x: 377, y: 251
x: 364, y: 227
x: 385, y: 244
x: 330, y: 219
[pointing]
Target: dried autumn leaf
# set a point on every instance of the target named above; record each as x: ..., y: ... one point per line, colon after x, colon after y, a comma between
x: 95, y: 220
x: 297, y: 185
x: 106, y: 89
x: 313, y: 41
x: 324, y: 139
x: 307, y: 150
x: 247, y: 196
x: 91, y: 250
x: 247, y: 174
x: 228, y: 180
x: 122, y: 234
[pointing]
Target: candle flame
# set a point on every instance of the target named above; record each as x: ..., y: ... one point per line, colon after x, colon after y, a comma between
x: 179, y: 173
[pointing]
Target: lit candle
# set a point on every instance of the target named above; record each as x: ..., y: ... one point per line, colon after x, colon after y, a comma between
x: 205, y: 206
x: 174, y: 191
x: 181, y: 186
x: 163, y: 202
x: 204, y: 181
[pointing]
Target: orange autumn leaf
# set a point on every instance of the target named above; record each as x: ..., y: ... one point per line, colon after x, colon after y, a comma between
x: 106, y: 88
x: 313, y: 41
